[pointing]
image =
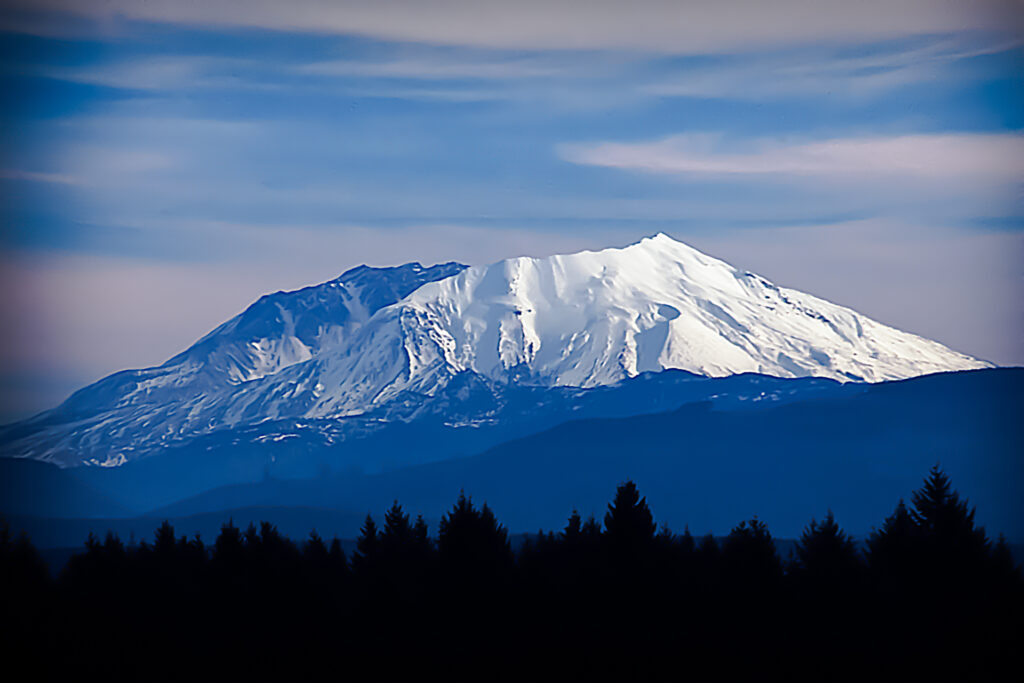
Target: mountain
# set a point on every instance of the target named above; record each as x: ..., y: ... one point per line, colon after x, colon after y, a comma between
x: 383, y: 345
x: 856, y: 453
x: 136, y: 411
x: 467, y: 417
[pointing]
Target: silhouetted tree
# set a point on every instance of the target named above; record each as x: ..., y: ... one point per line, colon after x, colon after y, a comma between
x: 339, y: 563
x: 953, y: 545
x: 471, y: 542
x: 573, y: 532
x: 365, y: 557
x: 826, y: 556
x: 25, y: 581
x: 749, y: 556
x: 229, y: 546
x: 315, y: 551
x: 893, y: 549
x: 629, y: 529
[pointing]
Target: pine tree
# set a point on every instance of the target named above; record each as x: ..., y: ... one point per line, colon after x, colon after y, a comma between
x: 229, y: 545
x: 946, y: 524
x: 471, y: 542
x: 365, y: 557
x: 686, y: 542
x: 749, y: 555
x: 825, y: 555
x: 164, y: 543
x: 893, y: 549
x: 338, y: 561
x: 23, y: 574
x: 573, y: 531
x: 420, y: 534
x: 629, y: 521
x: 314, y: 550
x: 398, y: 533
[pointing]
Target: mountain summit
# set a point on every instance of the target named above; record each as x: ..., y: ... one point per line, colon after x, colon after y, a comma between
x: 592, y: 318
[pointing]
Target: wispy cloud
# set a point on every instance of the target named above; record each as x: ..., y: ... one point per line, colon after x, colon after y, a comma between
x: 978, y: 156
x: 167, y: 73
x: 820, y: 72
x: 700, y: 26
x: 456, y: 66
x: 37, y: 177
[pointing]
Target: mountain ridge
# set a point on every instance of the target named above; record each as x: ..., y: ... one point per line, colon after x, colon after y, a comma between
x: 364, y: 343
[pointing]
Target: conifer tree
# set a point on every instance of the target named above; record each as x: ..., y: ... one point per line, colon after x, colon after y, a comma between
x: 337, y: 554
x: 826, y: 555
x: 573, y: 531
x: 398, y: 533
x: 229, y: 545
x: 472, y: 542
x: 23, y: 574
x: 893, y: 549
x: 946, y: 525
x: 314, y: 550
x: 749, y: 555
x: 365, y: 557
x: 629, y: 521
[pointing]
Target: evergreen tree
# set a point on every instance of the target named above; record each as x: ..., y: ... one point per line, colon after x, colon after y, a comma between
x: 825, y: 555
x: 892, y: 550
x: 397, y: 536
x: 365, y: 557
x: 421, y: 537
x: 315, y: 551
x: 23, y: 575
x: 629, y: 522
x: 229, y: 546
x: 164, y: 542
x: 629, y: 530
x: 749, y: 556
x: 573, y: 532
x: 338, y: 561
x: 952, y: 542
x: 687, y: 544
x: 471, y: 542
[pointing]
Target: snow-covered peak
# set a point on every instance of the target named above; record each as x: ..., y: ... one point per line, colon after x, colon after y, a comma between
x: 595, y: 317
x: 354, y: 344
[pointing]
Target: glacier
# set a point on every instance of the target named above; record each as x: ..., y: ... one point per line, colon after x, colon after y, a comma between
x: 376, y: 337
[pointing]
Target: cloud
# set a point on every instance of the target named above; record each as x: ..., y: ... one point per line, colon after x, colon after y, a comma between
x: 821, y: 73
x: 447, y: 68
x: 984, y: 157
x: 37, y: 177
x: 172, y: 72
x: 670, y: 26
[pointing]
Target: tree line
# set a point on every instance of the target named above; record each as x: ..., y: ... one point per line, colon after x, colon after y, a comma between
x: 926, y: 591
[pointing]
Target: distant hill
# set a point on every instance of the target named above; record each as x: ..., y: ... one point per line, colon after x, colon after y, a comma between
x: 854, y: 454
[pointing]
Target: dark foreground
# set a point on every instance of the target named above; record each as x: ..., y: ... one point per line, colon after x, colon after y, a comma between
x: 930, y: 597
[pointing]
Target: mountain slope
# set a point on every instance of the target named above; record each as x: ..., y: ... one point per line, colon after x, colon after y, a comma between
x: 855, y: 453
x: 134, y: 411
x: 376, y: 340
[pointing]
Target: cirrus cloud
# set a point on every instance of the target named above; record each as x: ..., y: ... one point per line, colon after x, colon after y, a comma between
x: 697, y: 26
x: 993, y: 156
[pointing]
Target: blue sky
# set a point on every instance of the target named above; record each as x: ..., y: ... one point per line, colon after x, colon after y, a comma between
x: 165, y: 163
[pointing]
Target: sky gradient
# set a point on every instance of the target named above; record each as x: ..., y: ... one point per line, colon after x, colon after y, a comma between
x: 165, y: 163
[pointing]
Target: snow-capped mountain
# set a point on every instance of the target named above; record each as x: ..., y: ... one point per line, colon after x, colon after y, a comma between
x: 125, y: 413
x: 354, y: 345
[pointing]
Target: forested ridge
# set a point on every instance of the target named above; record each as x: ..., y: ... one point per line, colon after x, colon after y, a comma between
x: 928, y: 594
